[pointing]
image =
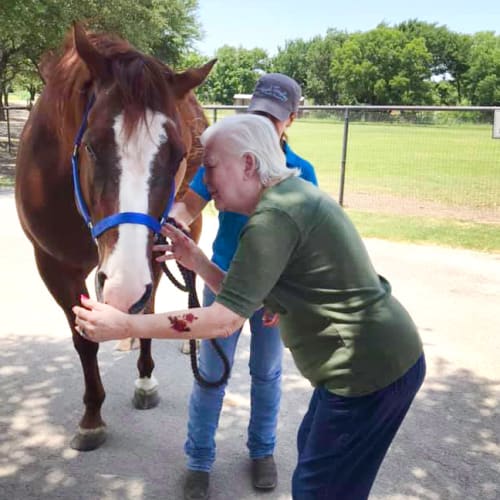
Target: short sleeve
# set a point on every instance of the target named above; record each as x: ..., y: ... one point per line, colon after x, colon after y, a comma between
x: 266, y: 246
x: 198, y: 184
x: 293, y: 160
x: 307, y: 172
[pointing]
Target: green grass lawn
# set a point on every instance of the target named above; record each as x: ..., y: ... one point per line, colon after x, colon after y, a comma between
x: 428, y: 230
x: 452, y: 165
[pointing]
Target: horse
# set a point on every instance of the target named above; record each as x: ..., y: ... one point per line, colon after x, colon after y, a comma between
x: 112, y: 137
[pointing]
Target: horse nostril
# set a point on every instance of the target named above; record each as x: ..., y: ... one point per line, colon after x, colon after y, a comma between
x: 141, y: 303
x: 100, y: 279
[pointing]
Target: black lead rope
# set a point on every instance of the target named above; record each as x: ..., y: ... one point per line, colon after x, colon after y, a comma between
x: 189, y: 286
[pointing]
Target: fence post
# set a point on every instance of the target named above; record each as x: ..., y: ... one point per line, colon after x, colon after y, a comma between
x: 9, y: 144
x: 344, y: 155
x: 215, y: 115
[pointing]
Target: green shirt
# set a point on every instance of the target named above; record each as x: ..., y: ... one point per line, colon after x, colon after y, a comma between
x: 301, y: 256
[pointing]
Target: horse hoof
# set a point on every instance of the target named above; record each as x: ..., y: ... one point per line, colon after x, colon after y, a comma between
x: 145, y: 400
x: 88, y: 439
x: 185, y: 348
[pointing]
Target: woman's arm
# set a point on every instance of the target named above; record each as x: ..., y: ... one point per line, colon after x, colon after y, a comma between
x: 100, y: 322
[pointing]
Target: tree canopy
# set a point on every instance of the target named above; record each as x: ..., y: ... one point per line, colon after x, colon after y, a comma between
x: 164, y: 28
x: 414, y: 62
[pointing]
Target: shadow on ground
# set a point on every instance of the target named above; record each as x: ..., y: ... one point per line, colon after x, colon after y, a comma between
x: 40, y: 406
x: 447, y: 447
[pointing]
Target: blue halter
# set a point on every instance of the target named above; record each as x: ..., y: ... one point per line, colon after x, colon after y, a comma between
x: 116, y: 219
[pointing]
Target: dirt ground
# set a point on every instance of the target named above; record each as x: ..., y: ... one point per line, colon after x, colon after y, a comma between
x: 447, y: 448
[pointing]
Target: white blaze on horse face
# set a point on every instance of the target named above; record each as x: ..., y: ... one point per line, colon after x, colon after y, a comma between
x: 127, y: 268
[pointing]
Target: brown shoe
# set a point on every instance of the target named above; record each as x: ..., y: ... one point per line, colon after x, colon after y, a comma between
x: 264, y: 473
x: 196, y: 485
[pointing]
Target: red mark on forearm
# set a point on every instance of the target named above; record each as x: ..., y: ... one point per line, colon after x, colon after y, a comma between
x: 180, y: 323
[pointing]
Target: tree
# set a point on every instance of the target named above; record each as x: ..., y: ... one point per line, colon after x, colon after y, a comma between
x: 28, y: 79
x: 383, y: 66
x: 236, y: 72
x: 449, y: 50
x: 291, y: 60
x: 321, y: 83
x: 483, y: 77
x: 31, y: 27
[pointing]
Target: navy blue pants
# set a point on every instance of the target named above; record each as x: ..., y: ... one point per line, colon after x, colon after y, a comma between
x: 342, y: 441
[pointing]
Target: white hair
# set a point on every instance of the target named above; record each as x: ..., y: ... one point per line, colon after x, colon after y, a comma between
x: 252, y: 134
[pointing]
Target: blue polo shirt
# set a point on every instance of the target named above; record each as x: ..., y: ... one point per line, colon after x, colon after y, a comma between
x: 231, y: 223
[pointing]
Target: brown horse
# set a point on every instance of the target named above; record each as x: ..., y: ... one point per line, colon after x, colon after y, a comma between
x: 138, y: 123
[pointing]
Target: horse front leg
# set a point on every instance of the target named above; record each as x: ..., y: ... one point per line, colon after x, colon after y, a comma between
x: 66, y: 284
x: 146, y: 393
x: 92, y: 428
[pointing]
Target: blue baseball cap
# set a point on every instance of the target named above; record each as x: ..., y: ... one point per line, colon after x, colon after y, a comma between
x: 275, y: 94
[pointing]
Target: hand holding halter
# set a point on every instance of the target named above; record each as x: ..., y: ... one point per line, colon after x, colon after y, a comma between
x: 181, y: 247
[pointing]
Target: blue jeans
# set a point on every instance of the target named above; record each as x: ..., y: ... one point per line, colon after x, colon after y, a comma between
x: 342, y: 441
x: 266, y: 353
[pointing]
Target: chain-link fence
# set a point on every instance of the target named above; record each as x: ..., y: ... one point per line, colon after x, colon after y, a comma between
x: 432, y: 161
x: 10, y: 130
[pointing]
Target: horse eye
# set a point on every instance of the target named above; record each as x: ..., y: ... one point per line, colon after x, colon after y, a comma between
x: 90, y: 151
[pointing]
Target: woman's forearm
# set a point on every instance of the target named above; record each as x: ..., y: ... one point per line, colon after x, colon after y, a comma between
x: 210, y: 273
x: 197, y: 323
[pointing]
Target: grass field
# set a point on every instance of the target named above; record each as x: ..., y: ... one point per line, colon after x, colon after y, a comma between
x: 453, y: 165
x: 428, y: 230
x: 426, y: 184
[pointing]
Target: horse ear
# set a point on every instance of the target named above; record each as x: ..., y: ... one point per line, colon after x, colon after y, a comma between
x: 191, y: 78
x: 96, y: 63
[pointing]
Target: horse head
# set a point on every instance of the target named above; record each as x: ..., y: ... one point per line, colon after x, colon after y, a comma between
x: 132, y: 158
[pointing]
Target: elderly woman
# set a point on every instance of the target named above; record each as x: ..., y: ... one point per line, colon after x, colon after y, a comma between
x: 276, y: 97
x: 300, y: 255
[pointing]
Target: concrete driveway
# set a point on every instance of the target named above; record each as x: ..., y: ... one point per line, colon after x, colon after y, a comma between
x: 448, y: 447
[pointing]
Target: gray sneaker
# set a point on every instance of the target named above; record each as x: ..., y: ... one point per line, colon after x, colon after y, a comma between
x: 264, y: 473
x: 196, y: 485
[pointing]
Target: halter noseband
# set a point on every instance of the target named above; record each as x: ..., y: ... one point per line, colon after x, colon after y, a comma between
x: 116, y: 219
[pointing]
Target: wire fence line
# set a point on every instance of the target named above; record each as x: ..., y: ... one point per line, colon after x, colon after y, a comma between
x: 430, y: 161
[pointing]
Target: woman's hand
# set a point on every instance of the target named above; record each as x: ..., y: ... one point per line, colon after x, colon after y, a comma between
x: 99, y: 322
x: 270, y: 319
x: 182, y: 248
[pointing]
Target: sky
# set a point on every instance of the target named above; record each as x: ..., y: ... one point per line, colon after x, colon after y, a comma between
x: 268, y: 24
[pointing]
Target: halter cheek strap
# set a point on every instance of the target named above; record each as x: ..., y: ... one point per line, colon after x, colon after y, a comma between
x: 116, y: 219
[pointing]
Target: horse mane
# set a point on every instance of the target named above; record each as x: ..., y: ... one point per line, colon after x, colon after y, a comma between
x: 141, y: 81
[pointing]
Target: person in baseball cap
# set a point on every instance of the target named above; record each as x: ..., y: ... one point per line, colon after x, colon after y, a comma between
x: 277, y: 95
